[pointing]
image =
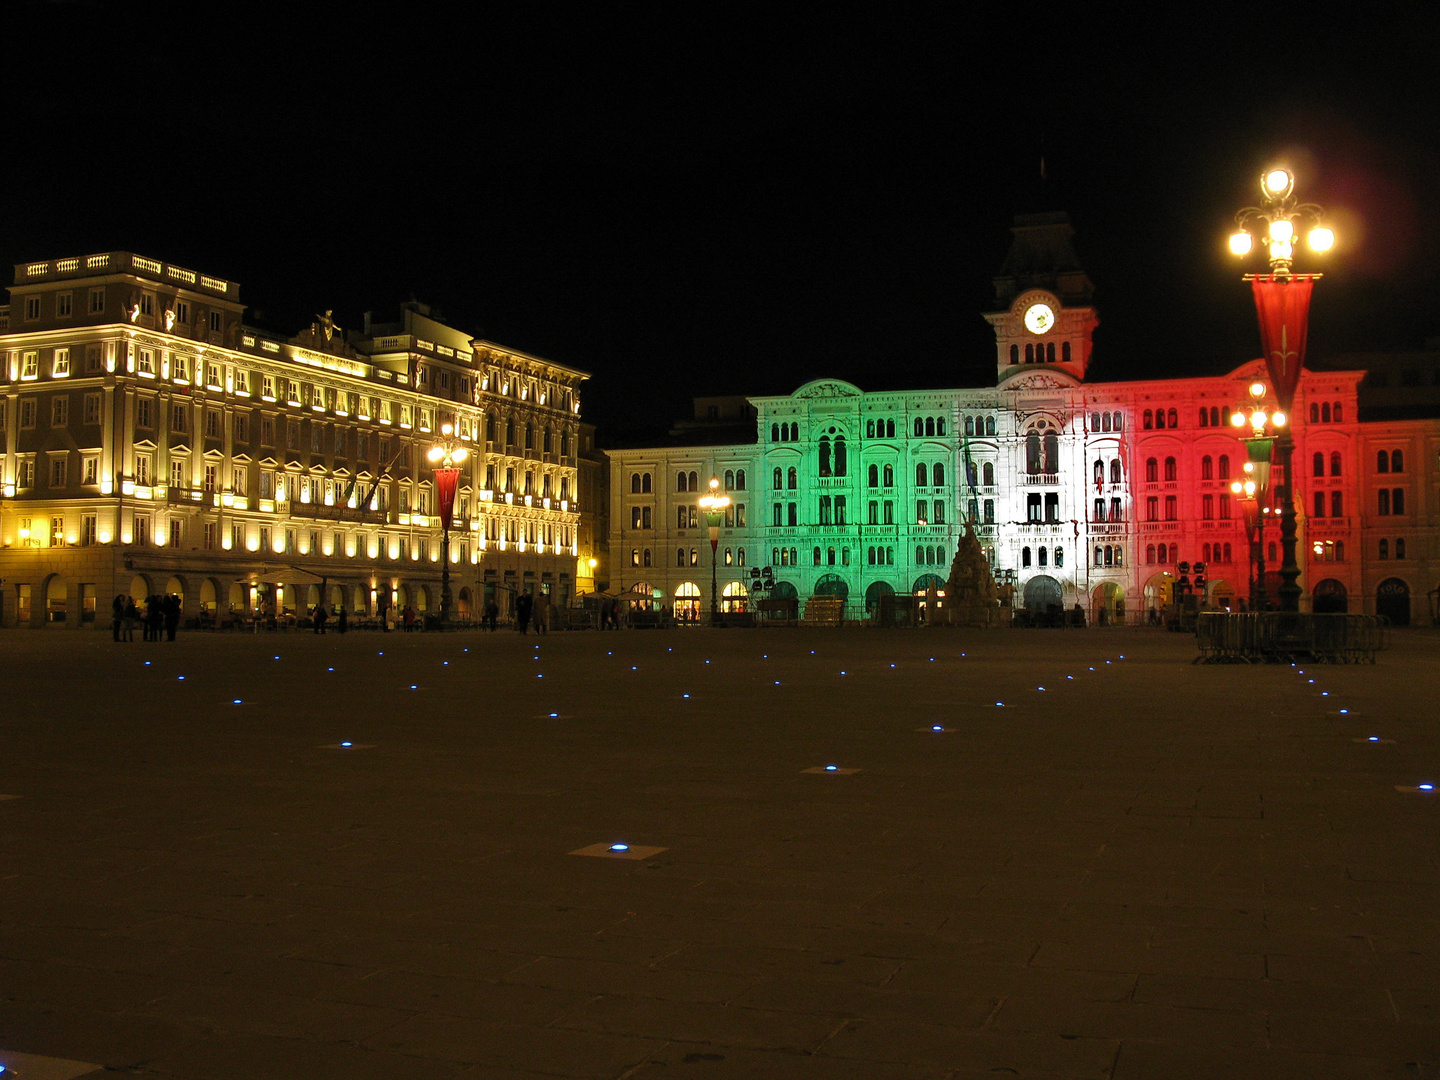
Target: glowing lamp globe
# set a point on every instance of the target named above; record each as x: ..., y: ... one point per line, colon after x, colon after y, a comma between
x: 1278, y: 182
x: 1321, y: 239
x: 1241, y: 243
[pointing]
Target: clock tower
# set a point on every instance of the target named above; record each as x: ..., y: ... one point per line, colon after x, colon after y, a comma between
x: 1044, y: 318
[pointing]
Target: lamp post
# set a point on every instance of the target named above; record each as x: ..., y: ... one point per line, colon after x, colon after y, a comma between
x: 446, y: 455
x: 1260, y: 449
x: 1282, y: 303
x: 714, y: 505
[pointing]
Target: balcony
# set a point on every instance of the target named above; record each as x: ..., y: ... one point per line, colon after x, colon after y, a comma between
x: 321, y: 512
x: 1044, y: 479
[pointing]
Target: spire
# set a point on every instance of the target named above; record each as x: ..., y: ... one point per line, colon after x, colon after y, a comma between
x: 1042, y: 256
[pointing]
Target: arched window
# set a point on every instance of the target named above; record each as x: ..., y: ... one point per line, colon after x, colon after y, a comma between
x: 1173, y: 419
x: 729, y: 479
x: 1030, y: 353
x: 645, y: 557
x: 1152, y: 471
x: 1115, y: 476
x: 1097, y: 559
x: 869, y: 556
x: 1150, y: 420
x: 792, y: 478
x: 1043, y: 559
x: 1207, y: 468
x: 1314, y: 413
x: 739, y: 479
x: 1397, y: 461
x: 682, y: 482
x: 817, y: 556
x: 1105, y: 421
x: 1059, y: 556
x: 1170, y: 468
x: 872, y: 476
x: 1099, y: 472
x: 694, y: 481
x: 1150, y: 554
x: 969, y: 425
x: 989, y: 425
x: 1204, y: 416
x: 830, y: 556
x: 774, y: 432
x: 869, y: 429
x: 1335, y: 413
x: 775, y: 479
x: 1065, y: 352
x: 919, y: 426
x: 1382, y: 461
x: 1334, y: 463
x: 1384, y: 549
x: 824, y: 455
x: 922, y: 474
x: 929, y: 425
x: 679, y: 556
x: 1032, y: 452
x: 1317, y: 464
x: 889, y: 476
x: 1014, y: 354
x: 940, y: 425
x: 1049, y: 352
x: 1224, y: 466
x: 1024, y: 556
x: 988, y: 472
x: 840, y: 456
x: 635, y: 483
x: 919, y: 555
x: 1325, y: 413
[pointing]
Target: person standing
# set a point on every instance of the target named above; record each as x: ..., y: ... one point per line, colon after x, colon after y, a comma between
x: 170, y: 607
x: 342, y: 621
x: 117, y: 618
x: 319, y: 618
x: 132, y: 618
x: 522, y: 613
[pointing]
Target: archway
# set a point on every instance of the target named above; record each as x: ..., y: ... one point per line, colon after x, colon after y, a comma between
x: 687, y: 602
x: 209, y: 596
x: 422, y: 599
x: 462, y: 605
x: 873, y: 593
x: 734, y: 597
x: 924, y: 585
x: 1107, y: 603
x: 140, y: 588
x: 1221, y: 594
x: 1043, y: 592
x: 312, y: 598
x: 832, y: 585
x: 57, y: 599
x: 1330, y: 597
x: 1159, y: 594
x: 176, y: 585
x: 783, y: 590
x: 1392, y: 600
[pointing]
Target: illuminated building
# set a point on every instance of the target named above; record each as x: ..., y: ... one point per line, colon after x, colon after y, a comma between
x: 1080, y: 492
x: 155, y: 443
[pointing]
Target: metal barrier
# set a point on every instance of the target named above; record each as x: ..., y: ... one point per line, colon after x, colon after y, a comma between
x: 1284, y: 636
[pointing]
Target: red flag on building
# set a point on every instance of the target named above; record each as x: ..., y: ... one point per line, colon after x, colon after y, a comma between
x: 445, y: 481
x: 1283, y: 306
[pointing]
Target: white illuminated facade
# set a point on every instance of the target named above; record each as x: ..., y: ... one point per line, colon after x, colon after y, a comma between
x: 153, y: 443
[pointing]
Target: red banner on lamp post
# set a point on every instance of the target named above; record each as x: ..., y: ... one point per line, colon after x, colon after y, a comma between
x: 1283, y: 307
x: 445, y: 481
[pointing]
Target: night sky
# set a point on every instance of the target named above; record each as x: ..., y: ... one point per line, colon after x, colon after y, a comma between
x: 687, y: 203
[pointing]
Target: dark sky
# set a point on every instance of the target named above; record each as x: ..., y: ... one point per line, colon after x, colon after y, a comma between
x: 738, y: 201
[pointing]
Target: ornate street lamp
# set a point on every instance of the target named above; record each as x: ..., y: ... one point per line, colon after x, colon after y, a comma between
x: 714, y: 505
x: 1282, y: 303
x: 446, y: 455
x: 1254, y: 489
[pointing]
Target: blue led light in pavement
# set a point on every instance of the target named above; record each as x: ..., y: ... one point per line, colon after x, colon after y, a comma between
x: 707, y: 661
x: 1090, y: 669
x: 235, y: 702
x: 831, y: 768
x: 554, y: 716
x: 633, y: 668
x: 619, y: 847
x: 777, y: 682
x: 1374, y: 738
x: 444, y: 663
x: 936, y: 727
x: 329, y: 669
x: 277, y: 658
x: 181, y: 678
x: 1344, y: 712
x: 842, y: 673
x: 347, y: 744
x: 1427, y: 787
x: 413, y: 687
x: 1070, y: 677
x: 685, y: 696
x: 147, y: 662
x: 999, y: 704
x: 1324, y: 693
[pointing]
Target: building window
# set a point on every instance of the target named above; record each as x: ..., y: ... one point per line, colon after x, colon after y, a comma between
x: 60, y: 410
x: 61, y: 366
x: 60, y: 471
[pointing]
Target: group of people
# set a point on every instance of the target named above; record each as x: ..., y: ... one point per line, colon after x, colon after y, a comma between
x: 531, y: 609
x: 320, y: 616
x: 161, y: 616
x: 610, y: 615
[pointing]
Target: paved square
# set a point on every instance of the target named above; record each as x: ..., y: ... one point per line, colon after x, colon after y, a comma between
x: 1143, y: 870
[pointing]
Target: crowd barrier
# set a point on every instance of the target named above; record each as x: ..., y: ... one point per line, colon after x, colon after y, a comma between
x: 1272, y: 636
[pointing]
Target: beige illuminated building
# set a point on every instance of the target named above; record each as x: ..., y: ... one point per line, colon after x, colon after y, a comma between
x: 154, y: 443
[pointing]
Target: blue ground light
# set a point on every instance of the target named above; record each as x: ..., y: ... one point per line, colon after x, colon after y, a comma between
x: 831, y: 768
x: 236, y: 702
x: 347, y: 744
x: 1426, y: 787
x: 619, y: 847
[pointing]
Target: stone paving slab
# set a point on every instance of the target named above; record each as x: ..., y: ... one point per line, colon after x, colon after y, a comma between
x: 1145, y: 869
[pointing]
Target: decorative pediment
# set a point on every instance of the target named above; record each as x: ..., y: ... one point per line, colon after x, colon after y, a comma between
x: 213, y: 455
x: 828, y: 388
x: 1038, y: 381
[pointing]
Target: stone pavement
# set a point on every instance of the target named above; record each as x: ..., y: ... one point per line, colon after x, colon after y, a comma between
x: 1144, y: 871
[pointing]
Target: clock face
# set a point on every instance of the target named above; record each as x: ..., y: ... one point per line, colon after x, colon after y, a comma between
x: 1039, y: 318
